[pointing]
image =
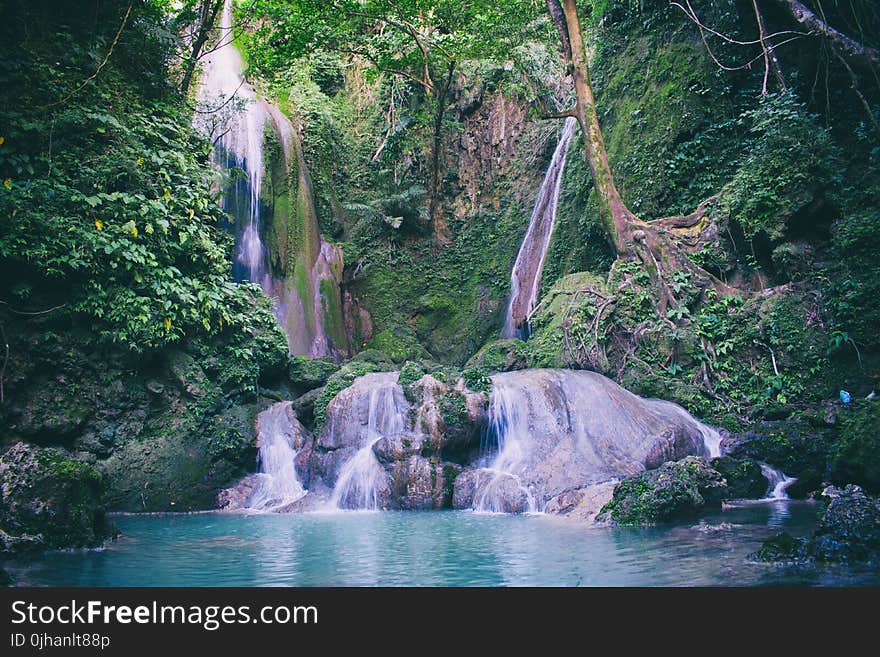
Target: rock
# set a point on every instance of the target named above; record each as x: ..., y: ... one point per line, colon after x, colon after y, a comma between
x: 781, y: 547
x: 562, y: 430
x: 672, y: 445
x: 304, y: 405
x: 675, y: 491
x: 582, y: 503
x: 419, y: 483
x: 745, y: 480
x: 49, y: 500
x: 309, y: 373
x: 850, y: 528
x: 472, y: 487
x: 848, y: 532
x: 452, y: 418
x: 236, y: 497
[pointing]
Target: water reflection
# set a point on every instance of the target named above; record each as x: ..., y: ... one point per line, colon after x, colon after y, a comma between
x: 436, y: 549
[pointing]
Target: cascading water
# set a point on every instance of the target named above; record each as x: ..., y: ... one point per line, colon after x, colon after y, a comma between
x: 525, y: 279
x: 240, y: 144
x: 359, y: 479
x: 280, y: 436
x: 273, y: 197
x: 779, y: 482
x: 562, y: 429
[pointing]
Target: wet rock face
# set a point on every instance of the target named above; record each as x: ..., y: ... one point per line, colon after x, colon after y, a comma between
x: 582, y: 503
x: 49, y: 500
x: 675, y: 491
x: 848, y: 532
x: 412, y: 435
x: 560, y: 430
x: 506, y: 492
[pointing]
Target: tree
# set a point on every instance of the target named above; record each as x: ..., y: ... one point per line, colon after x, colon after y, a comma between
x: 421, y: 42
x: 202, y: 18
x: 632, y: 238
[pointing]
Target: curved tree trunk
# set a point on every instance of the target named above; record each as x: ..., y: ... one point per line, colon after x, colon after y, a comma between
x: 631, y: 237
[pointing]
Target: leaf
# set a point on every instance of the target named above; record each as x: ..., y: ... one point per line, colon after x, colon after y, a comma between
x: 99, y: 224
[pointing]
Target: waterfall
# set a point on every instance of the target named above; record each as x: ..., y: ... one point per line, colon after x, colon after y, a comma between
x: 779, y: 482
x: 557, y: 430
x: 279, y: 437
x: 525, y: 278
x: 302, y: 271
x: 242, y: 124
x: 357, y: 485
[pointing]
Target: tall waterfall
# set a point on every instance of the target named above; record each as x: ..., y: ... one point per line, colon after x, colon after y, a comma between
x: 525, y: 279
x: 561, y: 429
x: 359, y: 478
x: 240, y: 116
x: 279, y: 438
x: 273, y: 200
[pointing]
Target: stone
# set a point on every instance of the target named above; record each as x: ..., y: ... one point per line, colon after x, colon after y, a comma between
x: 745, y: 480
x: 582, y: 503
x: 49, y: 500
x: 675, y: 491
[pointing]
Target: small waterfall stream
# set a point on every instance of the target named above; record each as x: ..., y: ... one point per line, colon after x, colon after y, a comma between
x: 279, y: 438
x: 525, y: 278
x: 779, y: 482
x: 359, y: 478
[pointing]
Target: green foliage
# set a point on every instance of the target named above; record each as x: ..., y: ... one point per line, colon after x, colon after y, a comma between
x: 111, y: 201
x: 476, y: 380
x: 410, y: 373
x: 790, y: 162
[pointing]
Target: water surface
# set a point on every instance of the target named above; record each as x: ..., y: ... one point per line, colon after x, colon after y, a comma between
x: 435, y: 549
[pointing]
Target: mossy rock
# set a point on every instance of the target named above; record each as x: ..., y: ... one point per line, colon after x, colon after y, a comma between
x: 49, y: 500
x: 398, y: 344
x: 338, y: 382
x: 678, y: 490
x: 500, y: 356
x: 744, y: 477
x: 547, y: 346
x: 856, y: 458
x: 309, y: 373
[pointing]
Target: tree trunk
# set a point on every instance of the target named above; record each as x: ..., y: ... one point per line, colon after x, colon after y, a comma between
x: 438, y: 221
x: 630, y: 236
x: 619, y: 219
x: 208, y: 14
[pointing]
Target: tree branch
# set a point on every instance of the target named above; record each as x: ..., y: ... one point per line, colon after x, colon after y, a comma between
x: 806, y: 17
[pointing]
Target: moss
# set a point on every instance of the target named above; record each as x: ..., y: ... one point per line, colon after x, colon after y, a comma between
x: 856, y: 457
x: 399, y: 344
x: 337, y: 382
x: 307, y: 373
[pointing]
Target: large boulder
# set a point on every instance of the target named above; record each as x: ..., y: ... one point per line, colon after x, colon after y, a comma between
x: 49, y: 500
x: 676, y: 491
x: 559, y: 430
